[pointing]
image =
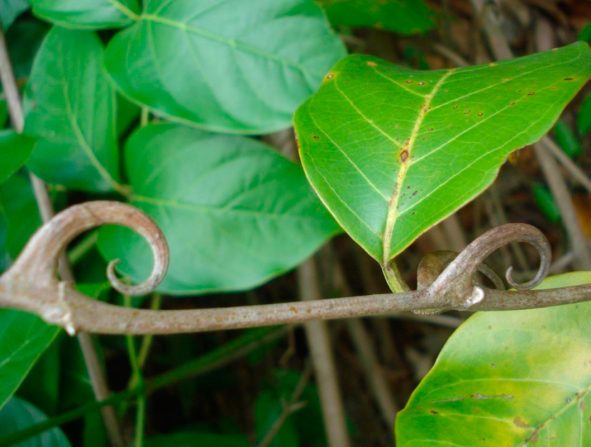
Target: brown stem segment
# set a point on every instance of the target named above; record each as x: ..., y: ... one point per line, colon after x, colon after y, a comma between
x: 31, y: 284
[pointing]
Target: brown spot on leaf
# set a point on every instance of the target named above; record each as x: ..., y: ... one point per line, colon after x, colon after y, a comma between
x: 329, y: 76
x: 520, y: 422
x: 568, y: 78
x: 371, y: 64
x: 480, y: 113
x: 420, y: 83
x: 409, y: 81
x: 315, y: 137
x: 403, y: 155
x: 433, y: 411
x: 532, y: 93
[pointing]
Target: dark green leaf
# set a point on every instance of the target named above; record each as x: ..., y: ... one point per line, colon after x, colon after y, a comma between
x: 517, y: 378
x: 24, y: 40
x: 224, y: 65
x: 87, y: 14
x: 71, y: 110
x: 14, y: 152
x: 21, y: 216
x: 546, y: 203
x: 196, y: 438
x: 399, y: 16
x: 234, y: 212
x: 23, y: 338
x: 393, y: 151
x: 268, y: 409
x: 10, y: 10
x: 19, y: 414
x: 585, y: 33
x: 584, y: 116
x: 567, y: 140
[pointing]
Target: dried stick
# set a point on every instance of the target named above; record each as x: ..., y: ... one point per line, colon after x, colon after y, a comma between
x: 501, y: 50
x: 318, y: 336
x: 97, y: 377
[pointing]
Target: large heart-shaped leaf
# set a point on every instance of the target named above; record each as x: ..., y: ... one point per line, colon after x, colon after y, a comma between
x: 393, y: 151
x: 234, y: 211
x: 87, y: 14
x: 23, y: 338
x: 71, y: 110
x: 224, y: 65
x: 518, y: 378
x: 400, y: 16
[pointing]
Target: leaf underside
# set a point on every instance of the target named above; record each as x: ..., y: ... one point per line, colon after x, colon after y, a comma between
x: 516, y: 378
x: 392, y: 151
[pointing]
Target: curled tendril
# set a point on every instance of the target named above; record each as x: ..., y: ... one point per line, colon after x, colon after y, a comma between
x: 40, y: 257
x: 434, y: 263
x: 455, y: 281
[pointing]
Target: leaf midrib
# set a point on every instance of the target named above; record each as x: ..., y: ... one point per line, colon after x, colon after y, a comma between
x: 172, y: 203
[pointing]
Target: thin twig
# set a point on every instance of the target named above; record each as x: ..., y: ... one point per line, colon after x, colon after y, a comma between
x: 323, y: 361
x: 289, y: 408
x: 97, y: 378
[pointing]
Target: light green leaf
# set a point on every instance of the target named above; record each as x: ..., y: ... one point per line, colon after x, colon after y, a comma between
x: 71, y: 110
x: 10, y: 10
x: 23, y: 338
x: 515, y: 378
x: 399, y: 16
x: 216, y: 197
x: 224, y: 65
x: 87, y: 14
x: 14, y: 152
x: 393, y: 151
x: 19, y: 414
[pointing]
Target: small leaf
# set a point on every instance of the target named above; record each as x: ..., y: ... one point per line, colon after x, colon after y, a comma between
x: 71, y: 110
x: 392, y: 151
x: 10, y: 10
x: 567, y: 140
x: 216, y: 197
x: 584, y: 116
x: 220, y: 66
x: 546, y: 203
x: 515, y: 378
x: 87, y: 14
x: 14, y: 152
x: 21, y: 216
x: 399, y: 16
x: 23, y: 338
x: 19, y: 414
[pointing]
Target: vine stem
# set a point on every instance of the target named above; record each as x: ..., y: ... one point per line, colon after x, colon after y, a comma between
x: 98, y: 380
x: 30, y: 284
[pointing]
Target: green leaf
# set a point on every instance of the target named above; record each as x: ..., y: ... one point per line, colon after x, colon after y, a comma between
x: 71, y: 110
x: 21, y: 216
x: 10, y: 10
x: 14, y: 152
x: 393, y: 151
x: 216, y: 197
x: 268, y: 409
x: 546, y: 202
x: 399, y: 16
x: 516, y: 378
x: 87, y: 14
x: 222, y: 67
x: 23, y: 338
x: 196, y: 438
x: 567, y: 140
x: 584, y: 116
x: 19, y: 414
